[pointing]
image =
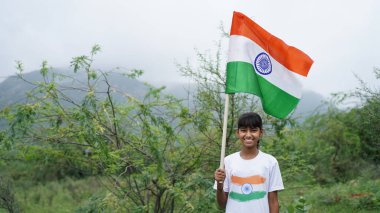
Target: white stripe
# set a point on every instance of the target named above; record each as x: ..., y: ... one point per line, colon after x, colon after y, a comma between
x: 244, y: 49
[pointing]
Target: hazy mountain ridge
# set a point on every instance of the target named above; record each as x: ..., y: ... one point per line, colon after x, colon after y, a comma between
x: 13, y: 89
x: 310, y: 102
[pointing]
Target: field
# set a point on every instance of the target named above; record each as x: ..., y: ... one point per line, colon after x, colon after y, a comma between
x: 89, y: 194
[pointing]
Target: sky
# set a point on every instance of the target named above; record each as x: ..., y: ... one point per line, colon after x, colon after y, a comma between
x: 341, y: 36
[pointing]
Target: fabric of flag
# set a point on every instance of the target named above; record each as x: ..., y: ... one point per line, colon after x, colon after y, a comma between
x: 247, y: 188
x: 262, y: 64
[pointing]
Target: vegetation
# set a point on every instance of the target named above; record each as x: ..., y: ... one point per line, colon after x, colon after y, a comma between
x: 78, y: 148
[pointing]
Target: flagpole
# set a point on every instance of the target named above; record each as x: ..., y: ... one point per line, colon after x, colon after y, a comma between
x: 224, y: 136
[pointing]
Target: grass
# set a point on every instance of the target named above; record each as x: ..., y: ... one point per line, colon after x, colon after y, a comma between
x: 354, y: 196
x: 56, y: 196
x: 80, y: 195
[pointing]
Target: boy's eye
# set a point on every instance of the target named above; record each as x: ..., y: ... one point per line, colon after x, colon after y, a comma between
x: 250, y: 129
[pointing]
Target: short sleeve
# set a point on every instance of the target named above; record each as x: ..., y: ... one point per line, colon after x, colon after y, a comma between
x: 275, y: 179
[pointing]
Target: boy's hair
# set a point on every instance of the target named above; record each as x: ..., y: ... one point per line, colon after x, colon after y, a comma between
x: 250, y: 120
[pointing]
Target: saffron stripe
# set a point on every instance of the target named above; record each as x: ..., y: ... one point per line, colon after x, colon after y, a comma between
x: 256, y: 179
x: 245, y: 50
x: 292, y: 58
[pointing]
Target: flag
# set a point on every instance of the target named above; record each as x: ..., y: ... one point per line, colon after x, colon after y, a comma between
x: 264, y: 65
x: 249, y: 188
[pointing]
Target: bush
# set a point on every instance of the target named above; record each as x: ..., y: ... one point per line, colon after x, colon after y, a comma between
x: 356, y: 194
x: 7, y: 197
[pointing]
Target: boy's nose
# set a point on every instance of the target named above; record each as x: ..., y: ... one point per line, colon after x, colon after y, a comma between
x: 249, y: 134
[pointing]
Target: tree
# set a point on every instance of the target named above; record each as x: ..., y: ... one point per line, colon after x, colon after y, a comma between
x: 333, y: 145
x: 146, y: 152
x: 366, y: 118
x: 153, y: 154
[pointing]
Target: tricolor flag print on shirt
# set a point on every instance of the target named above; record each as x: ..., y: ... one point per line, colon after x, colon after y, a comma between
x: 262, y: 64
x: 246, y: 188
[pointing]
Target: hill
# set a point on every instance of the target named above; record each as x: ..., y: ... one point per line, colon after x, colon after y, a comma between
x: 13, y: 90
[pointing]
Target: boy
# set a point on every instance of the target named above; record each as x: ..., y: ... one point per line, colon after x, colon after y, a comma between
x: 251, y: 178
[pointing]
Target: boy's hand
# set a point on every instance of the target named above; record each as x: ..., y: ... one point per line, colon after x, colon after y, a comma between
x: 219, y: 175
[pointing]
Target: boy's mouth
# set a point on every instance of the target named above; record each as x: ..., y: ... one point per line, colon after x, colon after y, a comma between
x: 248, y: 140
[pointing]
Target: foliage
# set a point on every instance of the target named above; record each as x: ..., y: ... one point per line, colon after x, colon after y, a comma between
x: 63, y: 195
x: 158, y: 153
x: 298, y: 206
x: 293, y: 162
x: 147, y: 148
x: 356, y: 194
x: 365, y: 118
x: 359, y: 195
x: 7, y: 197
x: 335, y: 145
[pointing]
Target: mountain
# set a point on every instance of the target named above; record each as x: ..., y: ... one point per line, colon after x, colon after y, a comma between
x: 13, y: 89
x: 310, y: 103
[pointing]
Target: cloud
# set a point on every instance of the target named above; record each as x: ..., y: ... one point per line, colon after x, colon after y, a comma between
x: 341, y: 36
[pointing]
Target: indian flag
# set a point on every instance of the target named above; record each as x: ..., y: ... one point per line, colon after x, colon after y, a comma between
x: 262, y: 64
x: 247, y: 188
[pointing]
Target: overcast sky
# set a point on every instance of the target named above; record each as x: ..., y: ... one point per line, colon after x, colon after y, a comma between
x: 341, y: 36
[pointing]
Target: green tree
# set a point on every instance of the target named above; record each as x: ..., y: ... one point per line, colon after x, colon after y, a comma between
x: 333, y: 147
x: 154, y: 154
x: 365, y: 118
x: 146, y: 152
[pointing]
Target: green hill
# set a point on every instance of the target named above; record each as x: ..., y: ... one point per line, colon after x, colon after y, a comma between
x: 13, y: 90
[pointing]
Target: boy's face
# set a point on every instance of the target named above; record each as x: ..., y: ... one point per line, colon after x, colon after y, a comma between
x: 249, y: 136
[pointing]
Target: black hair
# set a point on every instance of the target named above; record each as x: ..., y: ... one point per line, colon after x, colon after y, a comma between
x: 250, y: 120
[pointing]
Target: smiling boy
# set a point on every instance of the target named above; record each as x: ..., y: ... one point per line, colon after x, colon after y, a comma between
x: 251, y: 178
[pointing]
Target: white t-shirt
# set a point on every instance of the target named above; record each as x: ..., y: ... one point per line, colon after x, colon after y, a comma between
x: 249, y: 181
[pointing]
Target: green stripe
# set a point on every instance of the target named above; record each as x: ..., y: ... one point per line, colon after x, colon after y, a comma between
x: 247, y: 197
x: 242, y: 78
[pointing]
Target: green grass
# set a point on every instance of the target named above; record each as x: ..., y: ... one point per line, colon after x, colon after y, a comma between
x: 72, y: 195
x: 56, y: 196
x: 354, y: 196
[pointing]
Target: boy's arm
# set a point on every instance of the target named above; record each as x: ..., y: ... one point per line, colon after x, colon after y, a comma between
x: 273, y: 202
x: 221, y: 196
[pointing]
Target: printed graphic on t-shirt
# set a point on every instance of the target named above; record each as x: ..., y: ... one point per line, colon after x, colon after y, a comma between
x: 247, y: 188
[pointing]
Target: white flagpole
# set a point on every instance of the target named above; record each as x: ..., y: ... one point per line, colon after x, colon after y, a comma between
x: 224, y: 137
